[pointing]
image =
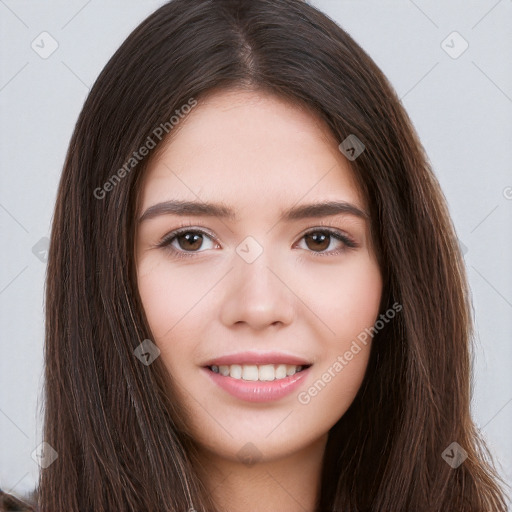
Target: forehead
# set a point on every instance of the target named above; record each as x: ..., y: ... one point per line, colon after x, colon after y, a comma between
x: 250, y: 150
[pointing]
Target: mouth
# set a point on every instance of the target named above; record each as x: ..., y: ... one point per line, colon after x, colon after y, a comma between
x: 258, y: 376
x: 255, y: 372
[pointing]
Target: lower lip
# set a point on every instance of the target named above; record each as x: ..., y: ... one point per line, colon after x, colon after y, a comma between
x: 259, y: 391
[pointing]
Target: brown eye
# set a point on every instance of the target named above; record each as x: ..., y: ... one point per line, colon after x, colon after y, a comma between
x: 189, y: 241
x: 317, y: 241
x: 186, y: 242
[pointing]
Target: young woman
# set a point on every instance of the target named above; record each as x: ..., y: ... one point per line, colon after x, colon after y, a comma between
x: 255, y: 295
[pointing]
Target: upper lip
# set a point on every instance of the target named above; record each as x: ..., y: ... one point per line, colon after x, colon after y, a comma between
x: 257, y: 358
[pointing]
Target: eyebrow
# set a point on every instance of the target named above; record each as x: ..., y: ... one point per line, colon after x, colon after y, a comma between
x: 203, y: 209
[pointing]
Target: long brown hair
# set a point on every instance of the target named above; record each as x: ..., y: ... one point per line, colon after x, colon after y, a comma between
x: 113, y: 421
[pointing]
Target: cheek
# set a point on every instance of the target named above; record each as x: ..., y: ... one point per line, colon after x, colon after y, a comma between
x: 168, y: 295
x: 175, y: 302
x: 337, y: 302
x: 157, y: 295
x: 345, y: 297
x: 349, y: 306
x: 333, y: 304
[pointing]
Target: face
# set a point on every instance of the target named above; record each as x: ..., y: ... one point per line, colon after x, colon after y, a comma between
x: 256, y: 306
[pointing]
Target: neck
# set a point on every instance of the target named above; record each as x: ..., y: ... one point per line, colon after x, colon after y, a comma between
x: 287, y: 484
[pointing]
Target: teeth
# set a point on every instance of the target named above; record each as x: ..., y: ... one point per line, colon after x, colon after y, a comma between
x: 252, y: 372
x: 235, y: 371
x: 249, y: 372
x: 280, y: 372
x: 267, y: 372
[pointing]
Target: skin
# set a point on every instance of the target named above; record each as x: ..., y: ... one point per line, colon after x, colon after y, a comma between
x: 290, y: 299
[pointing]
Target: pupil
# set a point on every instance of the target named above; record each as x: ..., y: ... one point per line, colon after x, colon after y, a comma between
x: 194, y: 240
x: 189, y: 236
x: 324, y: 237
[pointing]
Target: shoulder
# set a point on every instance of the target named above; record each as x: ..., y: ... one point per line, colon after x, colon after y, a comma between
x: 10, y: 503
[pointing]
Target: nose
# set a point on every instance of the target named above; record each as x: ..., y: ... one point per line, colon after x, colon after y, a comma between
x: 258, y: 294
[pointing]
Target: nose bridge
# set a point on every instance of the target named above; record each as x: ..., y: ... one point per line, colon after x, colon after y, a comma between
x: 257, y: 292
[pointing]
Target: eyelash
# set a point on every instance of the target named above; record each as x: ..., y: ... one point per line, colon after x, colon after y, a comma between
x: 166, y: 241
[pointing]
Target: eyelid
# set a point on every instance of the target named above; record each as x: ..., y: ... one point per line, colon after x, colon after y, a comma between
x: 348, y: 241
x: 328, y: 225
x: 185, y: 228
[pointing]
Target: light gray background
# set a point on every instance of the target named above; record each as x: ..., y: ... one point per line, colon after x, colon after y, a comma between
x: 461, y: 108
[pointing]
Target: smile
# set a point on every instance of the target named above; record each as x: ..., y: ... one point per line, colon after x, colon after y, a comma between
x: 258, y: 383
x: 262, y: 373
